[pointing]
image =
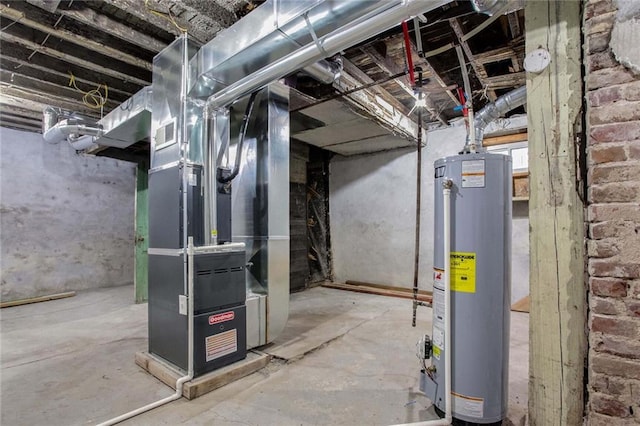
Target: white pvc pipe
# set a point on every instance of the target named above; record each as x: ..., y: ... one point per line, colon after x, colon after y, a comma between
x: 446, y: 193
x: 182, y: 380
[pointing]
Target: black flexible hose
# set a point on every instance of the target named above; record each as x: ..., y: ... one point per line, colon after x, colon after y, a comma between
x: 243, y: 131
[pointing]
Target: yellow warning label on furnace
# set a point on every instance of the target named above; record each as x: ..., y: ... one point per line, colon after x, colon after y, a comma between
x: 463, y: 272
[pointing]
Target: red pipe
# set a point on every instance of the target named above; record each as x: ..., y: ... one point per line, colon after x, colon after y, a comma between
x: 463, y: 102
x: 407, y: 46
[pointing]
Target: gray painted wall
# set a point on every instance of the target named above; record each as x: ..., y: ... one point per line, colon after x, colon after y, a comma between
x: 66, y: 220
x: 372, y: 210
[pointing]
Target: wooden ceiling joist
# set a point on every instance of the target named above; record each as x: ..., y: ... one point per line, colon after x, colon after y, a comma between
x: 16, y: 57
x: 134, y: 8
x: 19, y: 126
x: 351, y: 69
x: 391, y: 68
x: 22, y: 120
x: 74, y: 38
x: 99, y: 22
x: 17, y: 96
x: 29, y: 84
x: 5, y: 37
x: 507, y: 81
x: 17, y: 111
x: 30, y: 69
x: 478, y: 68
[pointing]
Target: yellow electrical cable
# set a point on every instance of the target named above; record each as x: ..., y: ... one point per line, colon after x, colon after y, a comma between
x: 168, y: 16
x: 93, y: 98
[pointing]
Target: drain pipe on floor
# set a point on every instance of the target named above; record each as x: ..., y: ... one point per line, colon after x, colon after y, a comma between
x: 448, y: 417
x: 182, y: 380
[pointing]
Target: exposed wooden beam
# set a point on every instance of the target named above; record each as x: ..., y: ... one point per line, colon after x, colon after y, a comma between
x: 495, y: 55
x: 505, y: 139
x: 506, y: 81
x: 13, y: 59
x: 392, y: 68
x: 20, y: 112
x: 557, y: 337
x: 10, y: 102
x: 478, y: 68
x: 22, y: 98
x: 19, y: 66
x: 66, y: 35
x: 19, y: 126
x: 423, y: 62
x: 4, y: 36
x: 20, y: 120
x: 514, y: 24
x: 33, y: 85
x: 116, y: 29
x: 137, y: 8
x: 363, y: 78
x: 371, y: 101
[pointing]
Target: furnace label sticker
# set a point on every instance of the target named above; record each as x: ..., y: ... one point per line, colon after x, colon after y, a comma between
x: 467, y: 405
x: 222, y: 344
x: 473, y: 174
x: 463, y: 272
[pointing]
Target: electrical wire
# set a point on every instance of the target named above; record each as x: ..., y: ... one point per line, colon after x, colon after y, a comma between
x: 93, y: 98
x: 168, y: 16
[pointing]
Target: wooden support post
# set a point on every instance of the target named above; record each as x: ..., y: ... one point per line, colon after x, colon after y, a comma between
x: 141, y: 279
x: 557, y: 339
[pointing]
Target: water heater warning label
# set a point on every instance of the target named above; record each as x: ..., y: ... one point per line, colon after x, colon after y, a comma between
x: 473, y: 174
x: 463, y: 272
x: 467, y: 405
x: 221, y: 344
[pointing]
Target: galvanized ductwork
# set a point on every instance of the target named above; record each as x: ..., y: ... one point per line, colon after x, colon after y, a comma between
x: 491, y: 7
x: 124, y: 126
x: 282, y: 36
x: 493, y: 111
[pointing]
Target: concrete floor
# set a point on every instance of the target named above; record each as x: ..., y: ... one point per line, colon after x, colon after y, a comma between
x: 345, y: 358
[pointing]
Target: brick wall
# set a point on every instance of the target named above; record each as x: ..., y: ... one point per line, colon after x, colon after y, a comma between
x: 613, y: 109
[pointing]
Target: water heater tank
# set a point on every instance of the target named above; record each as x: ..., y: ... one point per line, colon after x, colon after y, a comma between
x: 480, y: 279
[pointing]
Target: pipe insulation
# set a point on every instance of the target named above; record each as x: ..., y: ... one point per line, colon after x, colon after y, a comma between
x: 339, y: 39
x: 495, y: 110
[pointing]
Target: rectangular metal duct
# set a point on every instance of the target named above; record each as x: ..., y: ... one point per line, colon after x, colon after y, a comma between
x: 129, y: 123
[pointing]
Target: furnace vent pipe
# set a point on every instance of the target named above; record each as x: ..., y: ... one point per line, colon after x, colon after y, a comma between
x: 495, y: 110
x: 326, y: 46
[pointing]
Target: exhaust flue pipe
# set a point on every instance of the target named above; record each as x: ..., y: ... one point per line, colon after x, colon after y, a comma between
x: 492, y: 111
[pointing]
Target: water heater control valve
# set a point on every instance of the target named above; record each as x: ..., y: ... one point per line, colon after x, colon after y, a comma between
x: 425, y: 347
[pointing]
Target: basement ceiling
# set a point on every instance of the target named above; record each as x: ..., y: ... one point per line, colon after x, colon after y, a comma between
x: 52, y: 51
